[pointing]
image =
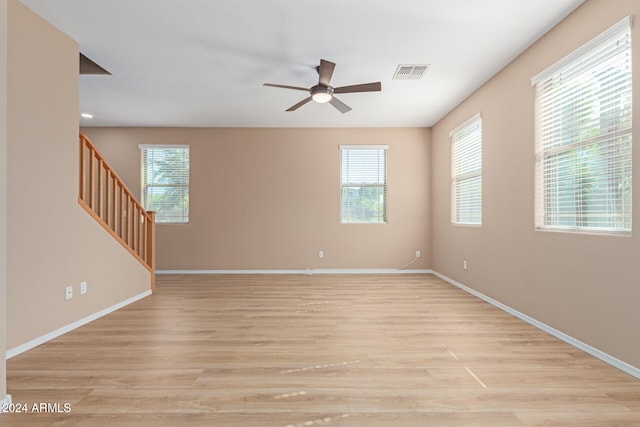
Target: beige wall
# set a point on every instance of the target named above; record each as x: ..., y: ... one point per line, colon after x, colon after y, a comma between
x: 269, y: 199
x: 3, y: 194
x: 52, y: 242
x: 586, y: 286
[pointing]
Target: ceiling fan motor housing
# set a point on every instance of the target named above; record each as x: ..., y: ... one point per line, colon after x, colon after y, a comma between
x: 321, y: 93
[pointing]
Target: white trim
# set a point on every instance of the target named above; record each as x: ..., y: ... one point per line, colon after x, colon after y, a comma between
x: 307, y: 272
x: 618, y: 27
x: 6, y: 401
x: 607, y: 358
x: 364, y: 147
x: 465, y: 123
x: 370, y: 271
x: 60, y: 331
x: 145, y: 146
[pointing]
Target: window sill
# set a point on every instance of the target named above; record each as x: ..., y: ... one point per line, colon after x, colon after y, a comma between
x: 363, y: 223
x: 462, y: 224
x: 579, y: 231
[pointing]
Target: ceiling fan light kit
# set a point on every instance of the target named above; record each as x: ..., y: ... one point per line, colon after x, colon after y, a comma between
x: 323, y: 92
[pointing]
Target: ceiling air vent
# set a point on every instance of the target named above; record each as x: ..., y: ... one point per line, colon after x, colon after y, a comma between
x: 410, y: 72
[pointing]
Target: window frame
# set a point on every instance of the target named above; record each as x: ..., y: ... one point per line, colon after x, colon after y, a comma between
x: 350, y: 183
x: 466, y: 152
x: 183, y: 187
x: 552, y: 156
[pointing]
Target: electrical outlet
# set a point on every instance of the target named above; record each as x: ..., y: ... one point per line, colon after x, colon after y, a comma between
x: 417, y: 253
x: 83, y: 288
x: 464, y: 264
x: 68, y: 292
x: 321, y: 254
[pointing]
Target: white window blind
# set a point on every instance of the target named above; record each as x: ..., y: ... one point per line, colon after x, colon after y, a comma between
x: 165, y: 181
x: 583, y: 137
x: 466, y: 172
x: 364, y: 183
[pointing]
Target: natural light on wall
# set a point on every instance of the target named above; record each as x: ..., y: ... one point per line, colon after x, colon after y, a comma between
x: 583, y: 137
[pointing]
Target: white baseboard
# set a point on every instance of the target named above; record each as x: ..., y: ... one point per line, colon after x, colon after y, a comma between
x: 306, y: 272
x: 54, y: 334
x: 370, y: 271
x: 6, y: 401
x: 607, y: 358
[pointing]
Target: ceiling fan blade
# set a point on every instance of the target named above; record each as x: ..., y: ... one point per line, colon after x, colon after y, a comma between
x: 365, y: 87
x: 326, y: 71
x: 299, y: 104
x: 340, y: 106
x: 306, y: 89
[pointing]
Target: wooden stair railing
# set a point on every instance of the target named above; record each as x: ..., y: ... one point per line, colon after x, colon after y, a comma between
x: 107, y: 199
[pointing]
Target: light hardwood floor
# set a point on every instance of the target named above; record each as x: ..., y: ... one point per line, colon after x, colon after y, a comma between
x: 321, y: 351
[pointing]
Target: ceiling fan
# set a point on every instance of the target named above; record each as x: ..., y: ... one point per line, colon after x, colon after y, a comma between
x: 323, y: 92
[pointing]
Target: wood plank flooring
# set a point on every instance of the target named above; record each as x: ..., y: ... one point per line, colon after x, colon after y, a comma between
x: 321, y: 351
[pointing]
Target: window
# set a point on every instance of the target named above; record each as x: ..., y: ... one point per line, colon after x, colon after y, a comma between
x: 364, y: 183
x: 583, y: 137
x: 466, y: 172
x: 165, y: 182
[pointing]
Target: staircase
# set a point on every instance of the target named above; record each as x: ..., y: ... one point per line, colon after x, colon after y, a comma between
x: 107, y: 199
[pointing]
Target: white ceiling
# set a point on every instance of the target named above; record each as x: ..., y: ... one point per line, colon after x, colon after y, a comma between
x: 203, y: 62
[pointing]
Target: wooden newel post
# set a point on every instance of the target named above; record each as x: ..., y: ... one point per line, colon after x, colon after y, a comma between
x: 151, y: 247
